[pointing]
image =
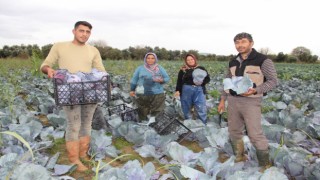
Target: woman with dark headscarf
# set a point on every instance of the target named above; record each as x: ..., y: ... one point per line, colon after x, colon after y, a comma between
x: 191, y: 82
x: 147, y: 85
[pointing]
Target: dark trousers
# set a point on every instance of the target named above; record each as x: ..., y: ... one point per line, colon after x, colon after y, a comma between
x: 150, y: 104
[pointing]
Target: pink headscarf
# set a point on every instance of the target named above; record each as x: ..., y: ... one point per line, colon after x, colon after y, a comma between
x: 154, y: 67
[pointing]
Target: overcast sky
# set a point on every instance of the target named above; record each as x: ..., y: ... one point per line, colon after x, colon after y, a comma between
x: 204, y: 25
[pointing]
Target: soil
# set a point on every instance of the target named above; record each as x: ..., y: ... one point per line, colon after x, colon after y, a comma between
x: 89, y: 175
x: 126, y: 148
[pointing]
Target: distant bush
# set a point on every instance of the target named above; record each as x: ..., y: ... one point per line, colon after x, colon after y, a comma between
x: 292, y: 59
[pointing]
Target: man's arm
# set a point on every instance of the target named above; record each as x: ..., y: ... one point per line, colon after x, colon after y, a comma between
x: 50, y: 60
x: 223, y: 96
x: 270, y: 74
x: 97, y: 61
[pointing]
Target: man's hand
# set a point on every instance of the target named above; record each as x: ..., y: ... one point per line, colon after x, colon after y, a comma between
x: 249, y: 92
x: 221, y: 106
x: 49, y: 71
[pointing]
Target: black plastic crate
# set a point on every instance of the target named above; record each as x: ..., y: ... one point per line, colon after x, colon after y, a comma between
x: 126, y: 113
x: 89, y: 92
x: 166, y: 124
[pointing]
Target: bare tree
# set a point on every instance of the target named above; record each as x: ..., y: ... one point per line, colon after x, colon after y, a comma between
x: 99, y: 43
x: 303, y: 54
x: 298, y: 51
x: 264, y: 51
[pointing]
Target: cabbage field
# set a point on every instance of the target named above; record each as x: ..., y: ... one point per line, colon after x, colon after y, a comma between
x: 32, y: 130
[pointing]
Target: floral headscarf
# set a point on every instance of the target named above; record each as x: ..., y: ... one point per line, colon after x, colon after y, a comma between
x: 186, y: 66
x: 154, y: 67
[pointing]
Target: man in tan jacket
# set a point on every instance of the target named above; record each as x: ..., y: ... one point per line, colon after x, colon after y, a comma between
x: 244, y: 110
x: 76, y: 56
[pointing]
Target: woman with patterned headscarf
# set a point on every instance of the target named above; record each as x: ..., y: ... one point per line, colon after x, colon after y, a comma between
x: 147, y: 85
x: 191, y: 82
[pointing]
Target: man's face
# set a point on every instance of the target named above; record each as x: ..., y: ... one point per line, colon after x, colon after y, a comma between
x: 81, y: 34
x: 243, y: 45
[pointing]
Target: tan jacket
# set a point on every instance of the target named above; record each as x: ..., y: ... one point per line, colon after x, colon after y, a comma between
x: 74, y: 58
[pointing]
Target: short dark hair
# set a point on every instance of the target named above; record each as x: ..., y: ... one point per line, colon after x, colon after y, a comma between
x: 84, y: 23
x: 243, y: 35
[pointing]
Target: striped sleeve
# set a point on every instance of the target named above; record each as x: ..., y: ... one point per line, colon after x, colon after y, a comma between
x: 270, y: 74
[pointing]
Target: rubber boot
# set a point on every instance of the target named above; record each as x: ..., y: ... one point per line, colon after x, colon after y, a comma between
x: 73, y: 155
x: 84, y: 147
x: 263, y: 159
x: 238, y: 150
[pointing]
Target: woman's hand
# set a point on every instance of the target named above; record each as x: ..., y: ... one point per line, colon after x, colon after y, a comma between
x: 176, y: 94
x: 158, y: 80
x: 132, y: 93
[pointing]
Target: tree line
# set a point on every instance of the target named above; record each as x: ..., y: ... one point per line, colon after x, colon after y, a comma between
x: 298, y: 54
